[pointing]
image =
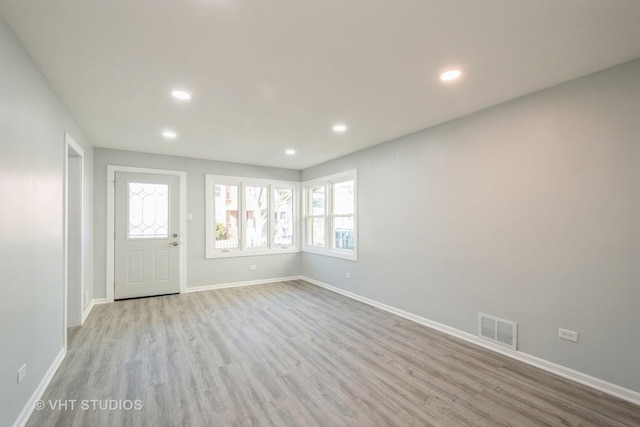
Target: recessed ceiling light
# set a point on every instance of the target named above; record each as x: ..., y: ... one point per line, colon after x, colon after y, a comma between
x: 169, y: 134
x: 181, y: 95
x: 339, y: 128
x: 290, y: 152
x: 450, y: 75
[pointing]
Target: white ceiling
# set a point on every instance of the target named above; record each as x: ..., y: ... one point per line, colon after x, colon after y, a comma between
x: 277, y: 74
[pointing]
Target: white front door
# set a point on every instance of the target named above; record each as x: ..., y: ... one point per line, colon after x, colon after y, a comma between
x: 147, y: 227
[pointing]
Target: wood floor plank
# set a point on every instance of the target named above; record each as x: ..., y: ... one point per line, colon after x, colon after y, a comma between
x: 294, y: 354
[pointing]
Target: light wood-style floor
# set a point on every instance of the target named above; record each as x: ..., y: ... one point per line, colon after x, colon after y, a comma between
x: 295, y: 354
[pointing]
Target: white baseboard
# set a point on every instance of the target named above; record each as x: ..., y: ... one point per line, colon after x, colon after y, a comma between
x: 573, y: 375
x: 238, y: 284
x: 88, y: 308
x: 39, y: 391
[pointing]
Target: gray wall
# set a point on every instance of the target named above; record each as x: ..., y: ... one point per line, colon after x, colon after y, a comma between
x: 32, y: 125
x: 528, y: 211
x: 200, y: 271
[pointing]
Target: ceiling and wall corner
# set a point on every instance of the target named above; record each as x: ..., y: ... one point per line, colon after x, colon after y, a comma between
x: 270, y: 76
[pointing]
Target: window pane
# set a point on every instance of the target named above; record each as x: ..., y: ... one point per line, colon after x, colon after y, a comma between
x: 317, y: 201
x: 283, y: 206
x: 317, y: 232
x: 343, y: 200
x: 148, y: 211
x: 226, y: 207
x: 257, y: 217
x: 343, y: 233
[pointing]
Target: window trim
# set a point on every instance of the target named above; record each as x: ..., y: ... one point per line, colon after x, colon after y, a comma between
x: 211, y: 252
x: 329, y: 216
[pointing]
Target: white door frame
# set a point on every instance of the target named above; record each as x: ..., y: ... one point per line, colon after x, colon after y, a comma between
x: 111, y: 174
x: 71, y: 147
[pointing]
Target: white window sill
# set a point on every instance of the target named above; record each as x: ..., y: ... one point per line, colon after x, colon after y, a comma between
x: 236, y: 253
x: 334, y: 253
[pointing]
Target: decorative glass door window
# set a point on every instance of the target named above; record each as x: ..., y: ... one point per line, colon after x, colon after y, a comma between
x: 148, y: 211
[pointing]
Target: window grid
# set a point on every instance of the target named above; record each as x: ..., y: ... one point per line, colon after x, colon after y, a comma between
x: 316, y: 220
x: 266, y: 217
x: 337, y: 222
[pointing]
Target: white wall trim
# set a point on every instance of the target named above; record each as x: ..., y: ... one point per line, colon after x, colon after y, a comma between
x: 90, y: 306
x: 568, y: 373
x: 239, y: 284
x: 87, y: 310
x: 39, y: 391
x: 111, y: 170
x: 70, y: 144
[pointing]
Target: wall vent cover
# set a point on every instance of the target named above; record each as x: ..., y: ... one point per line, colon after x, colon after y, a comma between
x: 500, y: 331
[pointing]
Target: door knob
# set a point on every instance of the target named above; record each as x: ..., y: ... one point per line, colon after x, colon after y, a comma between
x: 174, y: 243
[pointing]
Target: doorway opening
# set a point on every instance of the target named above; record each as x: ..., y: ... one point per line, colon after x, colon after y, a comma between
x: 73, y: 234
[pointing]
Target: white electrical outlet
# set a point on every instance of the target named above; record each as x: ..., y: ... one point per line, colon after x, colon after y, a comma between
x: 568, y: 335
x: 253, y: 267
x: 347, y: 275
x: 22, y: 372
